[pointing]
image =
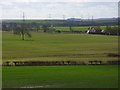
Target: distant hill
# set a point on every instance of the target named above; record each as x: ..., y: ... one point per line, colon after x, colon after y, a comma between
x: 98, y: 19
x: 66, y: 22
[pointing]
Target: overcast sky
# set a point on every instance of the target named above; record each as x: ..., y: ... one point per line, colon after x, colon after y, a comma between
x: 59, y: 9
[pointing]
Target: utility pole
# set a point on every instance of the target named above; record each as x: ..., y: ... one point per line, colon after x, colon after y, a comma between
x: 92, y: 20
x: 49, y: 16
x: 88, y: 16
x: 22, y: 33
x: 81, y: 19
x: 50, y: 20
x: 63, y: 17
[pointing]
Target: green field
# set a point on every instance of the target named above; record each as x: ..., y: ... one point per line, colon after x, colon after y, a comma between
x: 46, y: 46
x: 61, y: 77
x: 76, y: 28
x: 50, y: 47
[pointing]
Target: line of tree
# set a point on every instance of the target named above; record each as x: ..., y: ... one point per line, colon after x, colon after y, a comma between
x: 35, y: 23
x: 112, y: 30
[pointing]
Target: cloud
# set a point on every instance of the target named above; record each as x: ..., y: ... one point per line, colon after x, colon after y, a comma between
x: 58, y: 9
x: 59, y: 1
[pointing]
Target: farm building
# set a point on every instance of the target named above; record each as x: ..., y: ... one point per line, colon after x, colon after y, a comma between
x: 94, y: 30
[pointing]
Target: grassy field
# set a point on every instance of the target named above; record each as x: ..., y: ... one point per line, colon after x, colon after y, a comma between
x: 76, y: 28
x: 61, y: 77
x: 49, y: 47
x: 45, y: 46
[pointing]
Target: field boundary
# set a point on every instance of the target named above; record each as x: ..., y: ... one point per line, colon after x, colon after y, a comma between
x: 58, y: 63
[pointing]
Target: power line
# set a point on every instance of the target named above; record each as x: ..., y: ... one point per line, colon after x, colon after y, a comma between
x: 23, y: 17
x: 63, y: 17
x: 49, y: 16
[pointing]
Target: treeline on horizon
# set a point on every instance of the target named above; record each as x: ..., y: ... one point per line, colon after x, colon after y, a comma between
x: 67, y: 22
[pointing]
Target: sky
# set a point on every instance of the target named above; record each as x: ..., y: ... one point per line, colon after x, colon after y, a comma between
x: 58, y: 9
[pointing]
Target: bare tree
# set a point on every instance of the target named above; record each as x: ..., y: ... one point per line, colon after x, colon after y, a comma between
x: 22, y: 29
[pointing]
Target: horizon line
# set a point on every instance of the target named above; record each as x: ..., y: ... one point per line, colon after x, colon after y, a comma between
x: 55, y: 18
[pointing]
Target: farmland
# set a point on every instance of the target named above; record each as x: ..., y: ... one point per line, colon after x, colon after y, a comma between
x: 60, y: 77
x: 59, y: 47
x: 76, y: 28
x: 45, y: 46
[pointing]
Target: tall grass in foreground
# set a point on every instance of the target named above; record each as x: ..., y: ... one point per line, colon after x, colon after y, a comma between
x: 61, y: 77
